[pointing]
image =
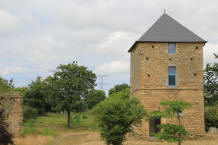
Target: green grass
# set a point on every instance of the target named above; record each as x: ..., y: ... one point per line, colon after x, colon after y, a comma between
x: 51, y: 124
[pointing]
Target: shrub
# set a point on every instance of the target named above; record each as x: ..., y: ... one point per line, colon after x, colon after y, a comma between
x: 29, y: 112
x: 211, y: 117
x: 171, y: 132
x: 116, y: 115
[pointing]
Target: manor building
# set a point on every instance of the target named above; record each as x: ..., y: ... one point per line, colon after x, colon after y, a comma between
x: 166, y: 65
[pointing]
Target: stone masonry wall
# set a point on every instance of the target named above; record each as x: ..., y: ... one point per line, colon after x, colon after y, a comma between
x: 149, y: 81
x: 11, y: 105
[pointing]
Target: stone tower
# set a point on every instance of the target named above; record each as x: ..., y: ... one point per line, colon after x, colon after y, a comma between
x: 166, y: 65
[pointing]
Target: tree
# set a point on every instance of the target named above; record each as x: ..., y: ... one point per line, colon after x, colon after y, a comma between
x: 211, y: 83
x: 116, y: 116
x: 118, y: 88
x: 73, y: 82
x: 125, y: 93
x: 211, y: 116
x: 94, y: 97
x: 35, y: 96
x: 171, y: 132
x: 5, y: 85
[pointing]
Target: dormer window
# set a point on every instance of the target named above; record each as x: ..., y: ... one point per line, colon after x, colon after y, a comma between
x: 171, y: 48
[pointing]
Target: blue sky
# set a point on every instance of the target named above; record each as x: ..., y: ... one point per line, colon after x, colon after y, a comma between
x: 38, y: 35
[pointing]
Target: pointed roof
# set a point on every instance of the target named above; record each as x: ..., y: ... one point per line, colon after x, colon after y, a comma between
x: 166, y: 29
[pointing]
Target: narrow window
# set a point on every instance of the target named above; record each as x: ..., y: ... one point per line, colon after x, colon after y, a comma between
x: 171, y: 48
x: 171, y: 76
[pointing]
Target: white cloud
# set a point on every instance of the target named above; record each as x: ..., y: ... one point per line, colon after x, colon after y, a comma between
x: 116, y: 43
x: 12, y: 70
x: 9, y: 23
x: 209, y: 50
x: 113, y: 67
x: 38, y: 35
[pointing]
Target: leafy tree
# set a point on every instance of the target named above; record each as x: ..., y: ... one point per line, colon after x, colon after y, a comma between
x: 211, y: 116
x: 118, y: 88
x: 35, y: 97
x: 5, y: 85
x: 94, y: 97
x: 211, y: 83
x: 54, y: 97
x: 116, y: 115
x: 125, y: 93
x: 72, y: 83
x: 171, y: 132
x: 21, y: 90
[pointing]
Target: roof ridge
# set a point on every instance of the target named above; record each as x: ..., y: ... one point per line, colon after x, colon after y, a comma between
x: 167, y: 29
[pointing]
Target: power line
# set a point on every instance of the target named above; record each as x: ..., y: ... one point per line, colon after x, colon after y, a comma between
x: 101, y: 79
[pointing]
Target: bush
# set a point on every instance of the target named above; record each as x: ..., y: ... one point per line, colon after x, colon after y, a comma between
x: 116, y: 115
x: 29, y: 112
x: 171, y: 132
x: 211, y: 117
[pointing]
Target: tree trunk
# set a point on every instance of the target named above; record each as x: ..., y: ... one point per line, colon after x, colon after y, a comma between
x: 68, y: 118
x: 179, y: 143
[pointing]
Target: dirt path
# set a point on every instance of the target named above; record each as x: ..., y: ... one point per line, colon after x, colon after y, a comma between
x: 77, y: 138
x: 93, y: 138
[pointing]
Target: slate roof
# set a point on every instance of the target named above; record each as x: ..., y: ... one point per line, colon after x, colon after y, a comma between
x: 166, y: 29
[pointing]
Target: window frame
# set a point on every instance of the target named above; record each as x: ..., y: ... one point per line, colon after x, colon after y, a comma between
x: 174, y: 49
x: 171, y: 74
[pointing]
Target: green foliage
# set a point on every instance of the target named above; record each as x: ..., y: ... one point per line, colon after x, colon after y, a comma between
x: 211, y: 83
x: 20, y: 90
x: 5, y: 85
x: 116, y: 115
x: 72, y: 83
x: 29, y: 112
x: 173, y: 108
x: 94, y: 97
x: 211, y: 117
x: 171, y: 132
x: 125, y: 93
x: 68, y: 89
x: 118, y: 88
x: 35, y: 98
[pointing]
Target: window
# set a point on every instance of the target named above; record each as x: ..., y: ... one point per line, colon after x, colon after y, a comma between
x: 171, y: 48
x: 153, y: 126
x: 171, y: 76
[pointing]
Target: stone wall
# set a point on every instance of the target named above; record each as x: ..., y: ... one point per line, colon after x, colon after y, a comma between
x: 149, y: 81
x: 11, y: 105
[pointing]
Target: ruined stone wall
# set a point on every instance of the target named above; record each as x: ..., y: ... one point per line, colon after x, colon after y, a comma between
x: 149, y: 80
x: 11, y: 105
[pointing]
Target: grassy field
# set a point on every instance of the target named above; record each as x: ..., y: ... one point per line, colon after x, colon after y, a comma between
x: 52, y: 130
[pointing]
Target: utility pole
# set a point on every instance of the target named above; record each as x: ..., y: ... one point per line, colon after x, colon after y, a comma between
x: 101, y: 81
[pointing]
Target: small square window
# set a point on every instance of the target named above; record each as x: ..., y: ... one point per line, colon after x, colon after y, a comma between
x: 171, y: 48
